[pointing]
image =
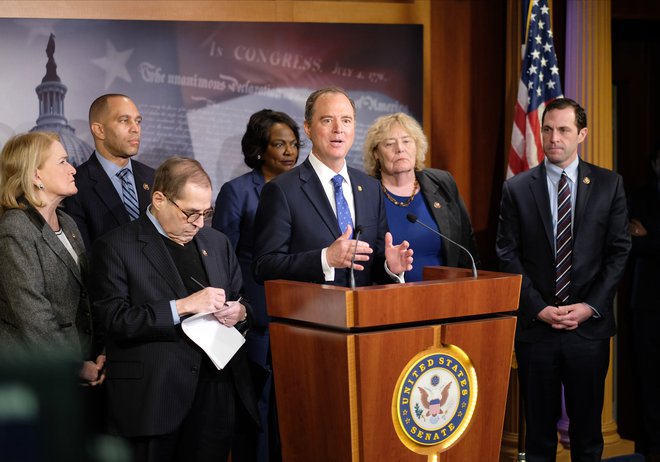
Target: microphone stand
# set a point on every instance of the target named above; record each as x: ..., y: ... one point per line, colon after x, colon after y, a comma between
x: 413, y: 219
x: 358, y: 231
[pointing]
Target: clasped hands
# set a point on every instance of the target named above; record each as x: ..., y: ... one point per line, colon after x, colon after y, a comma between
x: 567, y: 317
x: 340, y: 253
x: 213, y: 300
x: 92, y: 373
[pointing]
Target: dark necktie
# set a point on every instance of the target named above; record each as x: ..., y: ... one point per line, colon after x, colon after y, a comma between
x: 343, y: 212
x: 128, y: 193
x: 564, y: 244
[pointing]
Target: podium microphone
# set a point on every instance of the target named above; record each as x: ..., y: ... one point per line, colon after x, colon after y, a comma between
x: 356, y: 232
x: 412, y: 218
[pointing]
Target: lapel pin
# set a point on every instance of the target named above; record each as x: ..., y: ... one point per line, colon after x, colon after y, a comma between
x: 436, y: 205
x: 145, y: 186
x: 205, y: 253
x: 359, y: 188
x: 586, y: 180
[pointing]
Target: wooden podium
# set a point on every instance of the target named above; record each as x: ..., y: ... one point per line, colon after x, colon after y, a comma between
x: 338, y: 353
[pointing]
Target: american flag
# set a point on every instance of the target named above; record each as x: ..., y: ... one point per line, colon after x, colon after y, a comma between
x: 539, y: 84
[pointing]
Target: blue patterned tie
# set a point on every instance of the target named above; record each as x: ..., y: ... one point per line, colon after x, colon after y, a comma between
x: 343, y: 212
x: 564, y: 246
x: 128, y: 193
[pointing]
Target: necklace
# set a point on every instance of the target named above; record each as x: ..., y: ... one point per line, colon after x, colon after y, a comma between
x: 405, y: 203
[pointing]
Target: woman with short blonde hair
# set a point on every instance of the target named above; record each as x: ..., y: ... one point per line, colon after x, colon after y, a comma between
x: 394, y: 152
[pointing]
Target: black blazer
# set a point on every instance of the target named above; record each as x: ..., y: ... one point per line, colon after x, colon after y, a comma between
x: 601, y: 243
x: 97, y: 208
x: 445, y: 204
x: 295, y: 222
x: 152, y: 367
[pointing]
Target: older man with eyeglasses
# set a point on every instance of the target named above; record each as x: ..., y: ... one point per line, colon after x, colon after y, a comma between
x: 164, y: 394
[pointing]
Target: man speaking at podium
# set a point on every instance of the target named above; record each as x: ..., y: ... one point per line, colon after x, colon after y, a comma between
x: 322, y: 219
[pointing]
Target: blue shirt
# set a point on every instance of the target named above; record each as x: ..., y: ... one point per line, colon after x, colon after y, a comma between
x: 426, y: 245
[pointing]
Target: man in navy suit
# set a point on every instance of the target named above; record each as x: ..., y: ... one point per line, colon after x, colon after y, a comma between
x: 305, y: 222
x: 164, y: 393
x: 108, y: 197
x: 563, y: 225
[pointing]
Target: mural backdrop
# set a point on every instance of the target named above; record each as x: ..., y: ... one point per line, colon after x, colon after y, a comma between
x: 197, y: 83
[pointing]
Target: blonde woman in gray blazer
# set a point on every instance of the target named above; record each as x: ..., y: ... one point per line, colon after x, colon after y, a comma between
x: 44, y: 306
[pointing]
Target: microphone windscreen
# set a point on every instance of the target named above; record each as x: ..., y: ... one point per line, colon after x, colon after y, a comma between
x: 358, y: 230
x: 412, y: 218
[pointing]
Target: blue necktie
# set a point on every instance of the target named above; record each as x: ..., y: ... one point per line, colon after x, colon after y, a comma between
x: 343, y: 212
x: 128, y: 193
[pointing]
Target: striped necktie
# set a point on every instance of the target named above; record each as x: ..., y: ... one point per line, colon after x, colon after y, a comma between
x: 564, y: 245
x: 128, y: 193
x: 343, y: 212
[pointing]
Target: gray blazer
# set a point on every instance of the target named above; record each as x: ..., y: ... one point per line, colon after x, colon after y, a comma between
x: 43, y: 300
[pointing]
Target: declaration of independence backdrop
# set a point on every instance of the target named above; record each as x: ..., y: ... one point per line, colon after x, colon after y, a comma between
x: 196, y: 83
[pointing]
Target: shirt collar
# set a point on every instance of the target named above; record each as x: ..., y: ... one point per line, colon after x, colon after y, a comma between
x: 325, y: 173
x: 554, y: 172
x: 154, y: 220
x: 110, y: 167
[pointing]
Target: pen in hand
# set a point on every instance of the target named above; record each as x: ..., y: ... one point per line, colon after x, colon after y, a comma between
x: 240, y: 299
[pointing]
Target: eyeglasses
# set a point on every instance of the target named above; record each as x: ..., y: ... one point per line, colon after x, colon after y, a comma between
x: 192, y: 217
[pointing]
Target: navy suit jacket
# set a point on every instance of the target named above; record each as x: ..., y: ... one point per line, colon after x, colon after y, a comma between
x: 235, y: 210
x: 601, y: 243
x: 295, y: 222
x: 152, y: 367
x: 97, y: 208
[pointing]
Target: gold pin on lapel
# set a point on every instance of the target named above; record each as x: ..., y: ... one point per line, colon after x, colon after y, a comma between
x: 359, y: 188
x: 586, y: 180
x: 205, y: 253
x: 436, y: 205
x: 145, y: 186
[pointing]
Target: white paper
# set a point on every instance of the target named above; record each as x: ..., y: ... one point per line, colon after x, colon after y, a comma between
x: 218, y: 341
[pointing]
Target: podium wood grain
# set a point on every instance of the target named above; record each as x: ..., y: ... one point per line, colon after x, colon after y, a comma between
x: 334, y: 385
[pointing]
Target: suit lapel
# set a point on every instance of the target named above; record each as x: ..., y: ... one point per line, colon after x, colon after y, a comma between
x: 312, y: 188
x: 155, y: 251
x: 215, y: 269
x: 539, y: 189
x: 142, y: 186
x: 257, y: 181
x: 584, y: 191
x: 437, y: 201
x: 360, y: 199
x: 52, y: 241
x: 106, y: 192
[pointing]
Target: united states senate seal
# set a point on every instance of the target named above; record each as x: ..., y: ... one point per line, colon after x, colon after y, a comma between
x: 434, y: 399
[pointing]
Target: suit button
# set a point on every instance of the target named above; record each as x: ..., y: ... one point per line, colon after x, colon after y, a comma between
x: 83, y: 294
x: 193, y: 370
x: 88, y: 331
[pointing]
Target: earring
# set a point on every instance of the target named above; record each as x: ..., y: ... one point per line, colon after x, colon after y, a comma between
x: 259, y: 156
x: 40, y: 186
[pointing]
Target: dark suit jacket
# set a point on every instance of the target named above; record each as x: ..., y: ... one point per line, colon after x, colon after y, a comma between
x: 601, y: 244
x: 97, y: 208
x: 235, y: 210
x: 445, y: 204
x: 152, y: 367
x: 645, y: 207
x: 295, y: 222
x: 43, y: 301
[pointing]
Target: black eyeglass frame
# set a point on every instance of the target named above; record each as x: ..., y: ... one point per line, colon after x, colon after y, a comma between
x: 192, y: 217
